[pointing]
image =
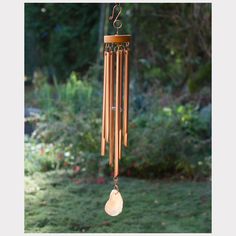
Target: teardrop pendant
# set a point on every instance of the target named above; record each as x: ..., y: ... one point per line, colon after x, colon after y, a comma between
x: 114, y: 205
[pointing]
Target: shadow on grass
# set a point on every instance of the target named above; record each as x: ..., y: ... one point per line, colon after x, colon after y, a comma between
x: 55, y: 204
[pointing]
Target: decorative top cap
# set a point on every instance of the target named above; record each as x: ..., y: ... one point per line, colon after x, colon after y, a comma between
x: 117, y: 38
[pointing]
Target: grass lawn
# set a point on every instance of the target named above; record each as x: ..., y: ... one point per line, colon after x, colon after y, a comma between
x: 55, y: 204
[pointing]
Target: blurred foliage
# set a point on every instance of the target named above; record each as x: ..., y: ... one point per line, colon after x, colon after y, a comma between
x: 164, y: 141
x: 40, y: 157
x: 69, y: 122
x: 171, y: 43
x: 202, y: 77
x: 170, y: 88
x: 64, y: 36
x: 169, y: 141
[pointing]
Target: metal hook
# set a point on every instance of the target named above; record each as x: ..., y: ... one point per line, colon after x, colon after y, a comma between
x: 116, y: 23
x: 116, y: 187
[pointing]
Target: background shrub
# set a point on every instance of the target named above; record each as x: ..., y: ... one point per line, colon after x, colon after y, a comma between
x: 164, y: 141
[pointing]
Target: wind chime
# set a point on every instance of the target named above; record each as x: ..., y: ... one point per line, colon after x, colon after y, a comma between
x: 115, y: 104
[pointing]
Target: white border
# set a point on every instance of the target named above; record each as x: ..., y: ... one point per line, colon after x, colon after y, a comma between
x: 12, y: 116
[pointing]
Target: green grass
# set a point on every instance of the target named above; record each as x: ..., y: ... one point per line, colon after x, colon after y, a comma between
x: 55, y: 204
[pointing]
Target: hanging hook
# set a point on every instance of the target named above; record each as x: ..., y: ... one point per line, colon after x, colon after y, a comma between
x: 116, y: 23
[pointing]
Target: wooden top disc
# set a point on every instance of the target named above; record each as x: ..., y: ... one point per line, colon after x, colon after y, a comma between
x: 117, y: 38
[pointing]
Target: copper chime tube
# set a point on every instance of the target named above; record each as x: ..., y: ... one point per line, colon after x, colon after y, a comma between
x: 120, y: 99
x: 107, y: 96
x: 103, y: 143
x: 126, y: 98
x: 112, y: 140
x: 116, y: 171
